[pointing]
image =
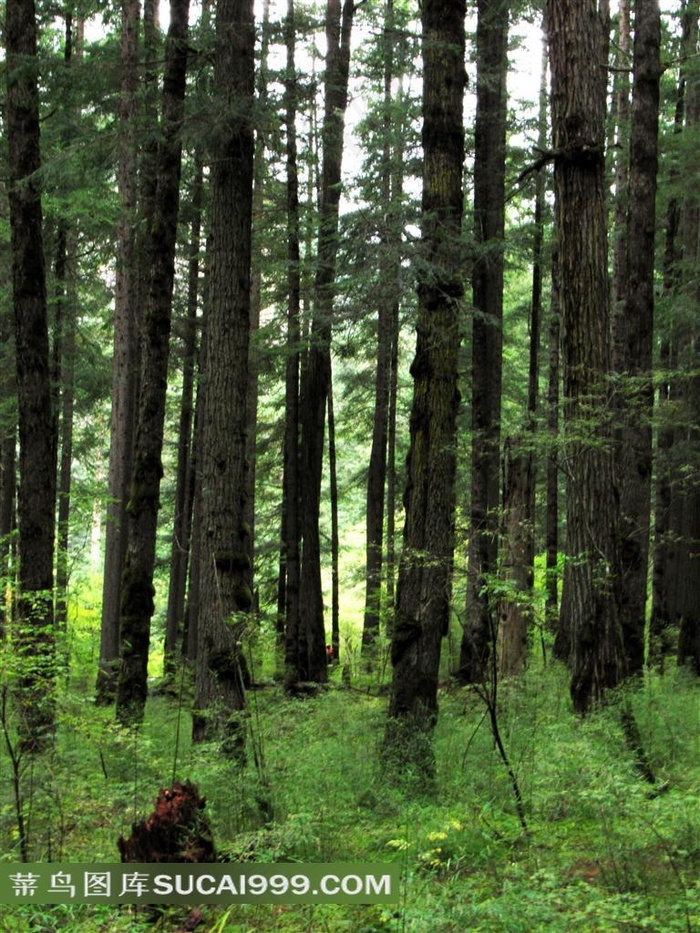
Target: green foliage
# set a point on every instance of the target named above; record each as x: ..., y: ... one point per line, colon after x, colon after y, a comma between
x: 603, y: 854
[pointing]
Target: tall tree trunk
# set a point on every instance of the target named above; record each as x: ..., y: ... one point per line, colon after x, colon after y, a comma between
x: 634, y: 335
x: 684, y: 522
x: 515, y: 609
x: 395, y: 247
x: 376, y: 475
x: 37, y: 440
x: 259, y: 185
x: 225, y: 592
x: 315, y: 378
x: 665, y: 580
x: 335, y: 527
x: 425, y: 574
x: 487, y: 334
x: 125, y: 360
x: 180, y: 547
x: 577, y: 39
x: 552, y: 516
x: 687, y: 599
x: 390, y: 574
x: 67, y: 399
x: 621, y: 103
x: 519, y: 467
x: 144, y: 500
x: 8, y: 483
x: 294, y: 645
x: 64, y: 351
x: 194, y: 570
x: 8, y: 450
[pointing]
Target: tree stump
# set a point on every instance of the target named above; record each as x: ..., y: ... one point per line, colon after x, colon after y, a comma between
x: 176, y: 831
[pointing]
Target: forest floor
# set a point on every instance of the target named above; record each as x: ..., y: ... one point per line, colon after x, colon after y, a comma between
x: 603, y: 850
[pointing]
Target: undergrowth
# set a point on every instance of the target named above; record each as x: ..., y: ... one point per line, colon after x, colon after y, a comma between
x: 604, y: 851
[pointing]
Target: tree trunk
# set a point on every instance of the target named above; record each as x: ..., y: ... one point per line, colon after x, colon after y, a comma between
x: 125, y: 360
x: 37, y: 440
x: 391, y: 474
x: 519, y: 467
x: 424, y: 587
x: 552, y: 517
x: 137, y: 584
x: 192, y: 606
x: 487, y: 334
x: 294, y: 645
x: 182, y: 524
x: 315, y: 377
x: 515, y: 609
x: 69, y: 300
x: 665, y: 580
x: 376, y: 476
x: 687, y: 600
x: 225, y: 573
x: 592, y: 574
x: 66, y: 274
x: 335, y: 528
x: 259, y: 219
x: 8, y: 451
x: 634, y: 335
x: 621, y: 151
x: 8, y: 483
x: 683, y: 600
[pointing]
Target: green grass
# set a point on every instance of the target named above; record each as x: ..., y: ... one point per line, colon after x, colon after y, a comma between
x: 601, y: 855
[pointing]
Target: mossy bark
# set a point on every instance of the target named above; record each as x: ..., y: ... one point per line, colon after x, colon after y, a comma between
x: 633, y: 330
x: 487, y: 333
x: 182, y: 524
x: 137, y: 591
x: 225, y: 594
x: 125, y: 359
x: 423, y: 594
x: 37, y: 429
x: 316, y: 369
x: 590, y: 604
x: 289, y: 633
x: 388, y: 299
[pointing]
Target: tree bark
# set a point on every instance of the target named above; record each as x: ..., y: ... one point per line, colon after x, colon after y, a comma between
x: 621, y: 150
x: 66, y: 275
x: 376, y: 475
x: 259, y: 219
x: 192, y: 606
x: 634, y: 335
x: 487, y: 333
x: 424, y: 586
x: 335, y: 529
x: 8, y: 452
x: 294, y: 644
x: 182, y: 523
x: 225, y: 573
x: 665, y: 574
x: 552, y: 516
x: 137, y: 590
x: 515, y: 608
x: 519, y: 466
x: 35, y: 643
x: 315, y: 378
x: 683, y: 598
x: 125, y: 360
x: 592, y: 573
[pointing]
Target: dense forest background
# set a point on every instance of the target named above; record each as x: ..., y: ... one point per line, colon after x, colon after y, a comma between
x: 349, y: 450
